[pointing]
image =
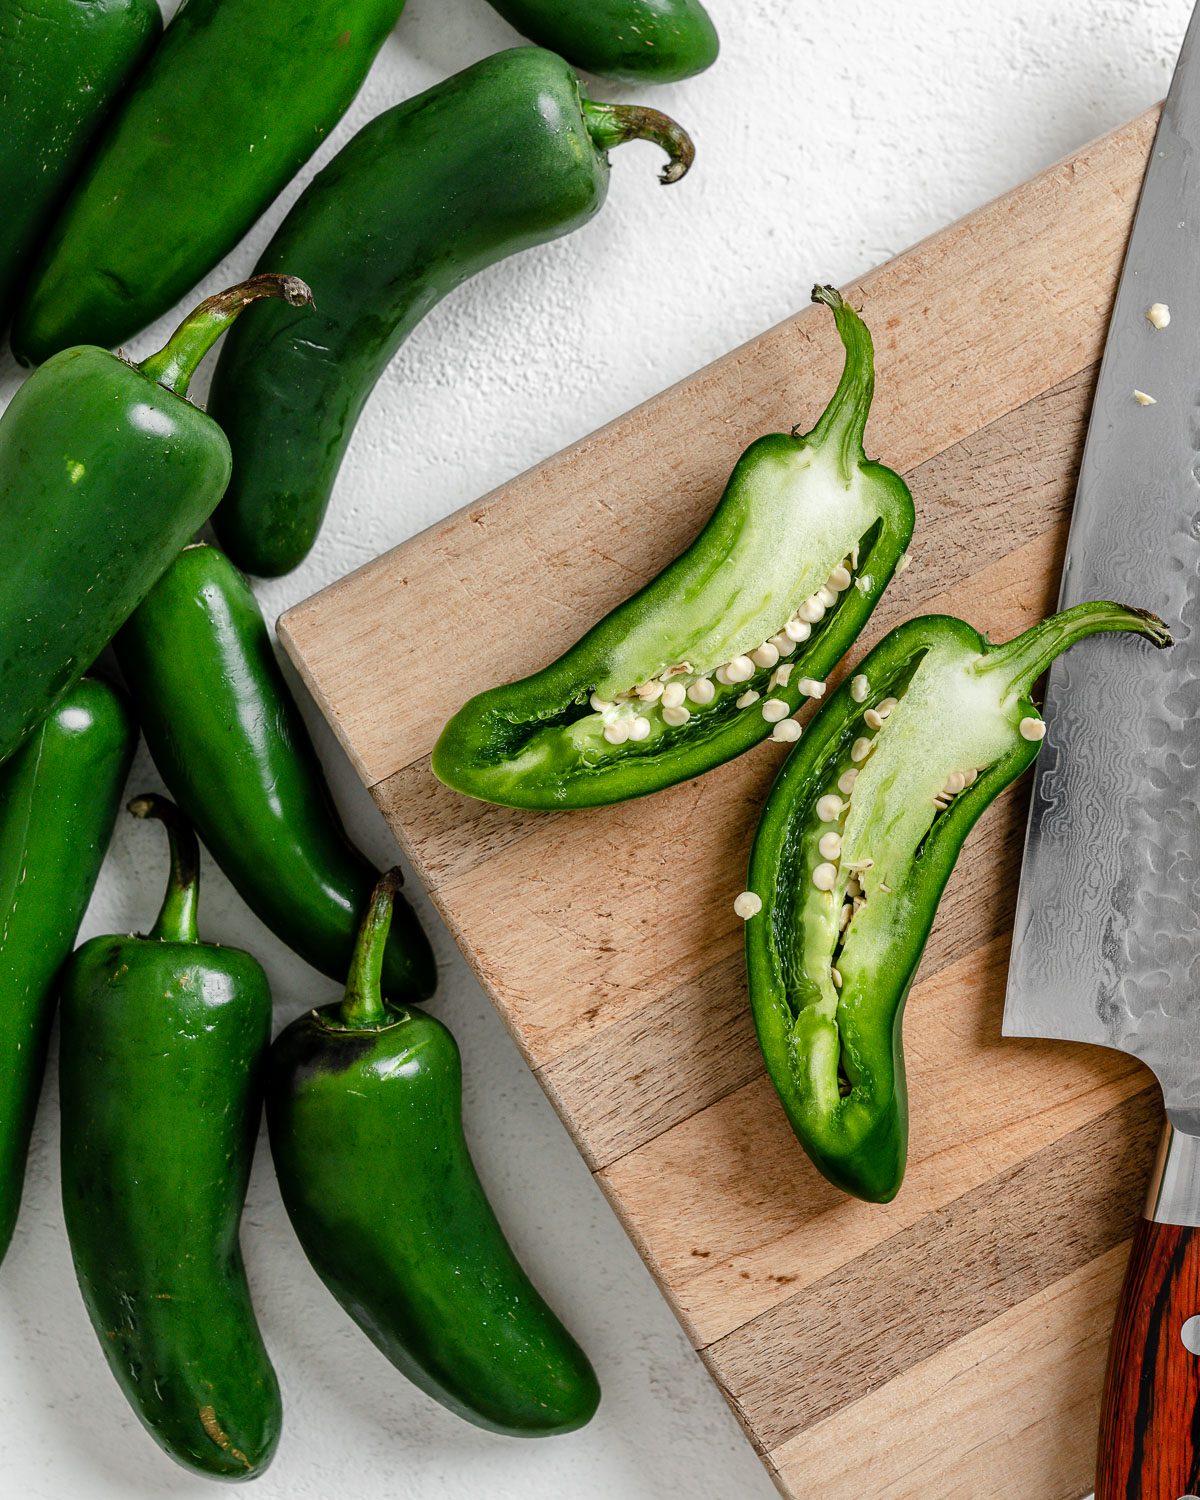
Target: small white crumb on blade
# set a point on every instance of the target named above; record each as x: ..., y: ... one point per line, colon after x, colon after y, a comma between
x: 1143, y: 400
x: 1159, y: 314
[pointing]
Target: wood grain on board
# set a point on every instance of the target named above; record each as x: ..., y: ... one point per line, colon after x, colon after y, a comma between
x: 950, y: 1344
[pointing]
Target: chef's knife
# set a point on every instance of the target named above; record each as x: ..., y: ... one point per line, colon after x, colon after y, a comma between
x: 1106, y: 944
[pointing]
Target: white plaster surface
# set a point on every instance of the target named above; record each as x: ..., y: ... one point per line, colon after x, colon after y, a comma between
x: 829, y: 138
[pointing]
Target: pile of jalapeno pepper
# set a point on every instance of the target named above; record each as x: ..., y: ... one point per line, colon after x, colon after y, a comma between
x: 134, y: 159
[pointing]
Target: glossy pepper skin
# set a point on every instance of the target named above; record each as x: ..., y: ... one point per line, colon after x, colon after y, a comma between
x: 58, y: 801
x: 63, y: 65
x: 106, y: 470
x: 637, y: 41
x: 234, y: 101
x: 230, y: 744
x: 160, y: 1067
x: 934, y: 724
x: 502, y: 156
x: 795, y: 511
x: 365, y: 1117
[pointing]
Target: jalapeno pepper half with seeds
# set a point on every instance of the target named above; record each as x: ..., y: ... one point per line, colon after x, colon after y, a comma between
x: 856, y: 843
x: 724, y: 646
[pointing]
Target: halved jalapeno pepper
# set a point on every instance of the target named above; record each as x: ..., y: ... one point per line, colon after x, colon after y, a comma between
x: 724, y: 646
x: 856, y: 843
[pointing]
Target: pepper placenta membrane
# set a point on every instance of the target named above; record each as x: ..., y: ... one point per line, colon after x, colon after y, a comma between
x: 856, y: 843
x: 726, y: 644
x: 639, y: 41
x: 381, y: 239
x: 230, y: 744
x: 58, y: 801
x: 106, y: 472
x: 365, y: 1114
x: 162, y: 1045
x: 235, y: 99
x: 63, y: 64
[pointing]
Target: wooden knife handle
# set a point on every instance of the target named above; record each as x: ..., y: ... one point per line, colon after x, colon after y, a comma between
x: 1150, y: 1418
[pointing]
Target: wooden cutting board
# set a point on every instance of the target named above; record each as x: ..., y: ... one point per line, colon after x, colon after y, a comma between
x: 952, y: 1343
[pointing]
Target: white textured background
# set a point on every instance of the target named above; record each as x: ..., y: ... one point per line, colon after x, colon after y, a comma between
x: 829, y: 138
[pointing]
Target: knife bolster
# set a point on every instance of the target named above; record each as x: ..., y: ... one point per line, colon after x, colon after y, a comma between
x: 1174, y: 1192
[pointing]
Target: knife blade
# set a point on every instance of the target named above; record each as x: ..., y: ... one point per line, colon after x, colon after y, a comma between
x: 1106, y: 939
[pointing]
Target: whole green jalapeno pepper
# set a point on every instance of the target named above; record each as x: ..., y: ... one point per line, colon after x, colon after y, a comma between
x: 230, y: 744
x: 106, y: 470
x: 856, y: 843
x: 382, y: 240
x: 63, y: 64
x: 160, y: 1062
x: 724, y: 646
x: 365, y: 1118
x: 638, y: 41
x: 58, y: 801
x: 234, y: 101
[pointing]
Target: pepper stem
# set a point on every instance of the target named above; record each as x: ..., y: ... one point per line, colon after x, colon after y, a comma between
x: 177, y: 919
x: 844, y: 420
x: 1026, y: 657
x: 179, y: 358
x: 362, y: 1006
x: 612, y: 125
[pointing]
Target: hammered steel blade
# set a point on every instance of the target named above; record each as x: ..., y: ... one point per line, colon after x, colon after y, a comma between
x: 1106, y: 942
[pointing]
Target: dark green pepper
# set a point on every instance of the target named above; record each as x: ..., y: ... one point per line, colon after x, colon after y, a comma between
x: 855, y: 846
x: 63, y: 63
x: 500, y: 157
x: 106, y: 471
x: 639, y: 41
x: 58, y: 801
x: 365, y: 1116
x: 723, y: 647
x: 234, y: 101
x: 230, y: 744
x: 160, y: 1067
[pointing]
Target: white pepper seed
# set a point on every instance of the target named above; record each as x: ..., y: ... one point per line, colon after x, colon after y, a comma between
x: 829, y: 845
x: 809, y: 687
x: 639, y: 729
x: 751, y: 695
x: 955, y: 782
x: 860, y: 749
x: 747, y: 905
x: 600, y: 704
x: 859, y: 688
x: 824, y: 877
x: 673, y: 695
x: 702, y: 691
x: 1143, y: 400
x: 1158, y: 314
x: 787, y: 732
x: 617, y: 733
x: 846, y: 781
x: 740, y: 669
x: 766, y: 655
x: 904, y: 562
x: 782, y: 675
x: 797, y: 629
x: 649, y: 692
x: 835, y: 975
x: 887, y: 705
x: 827, y: 596
x: 844, y: 919
x: 873, y: 719
x: 811, y: 610
x: 675, y: 715
x: 1032, y: 729
x: 722, y: 675
x: 829, y: 808
x: 971, y: 776
x: 840, y: 579
x: 774, y: 709
x: 783, y: 643
x: 853, y: 889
